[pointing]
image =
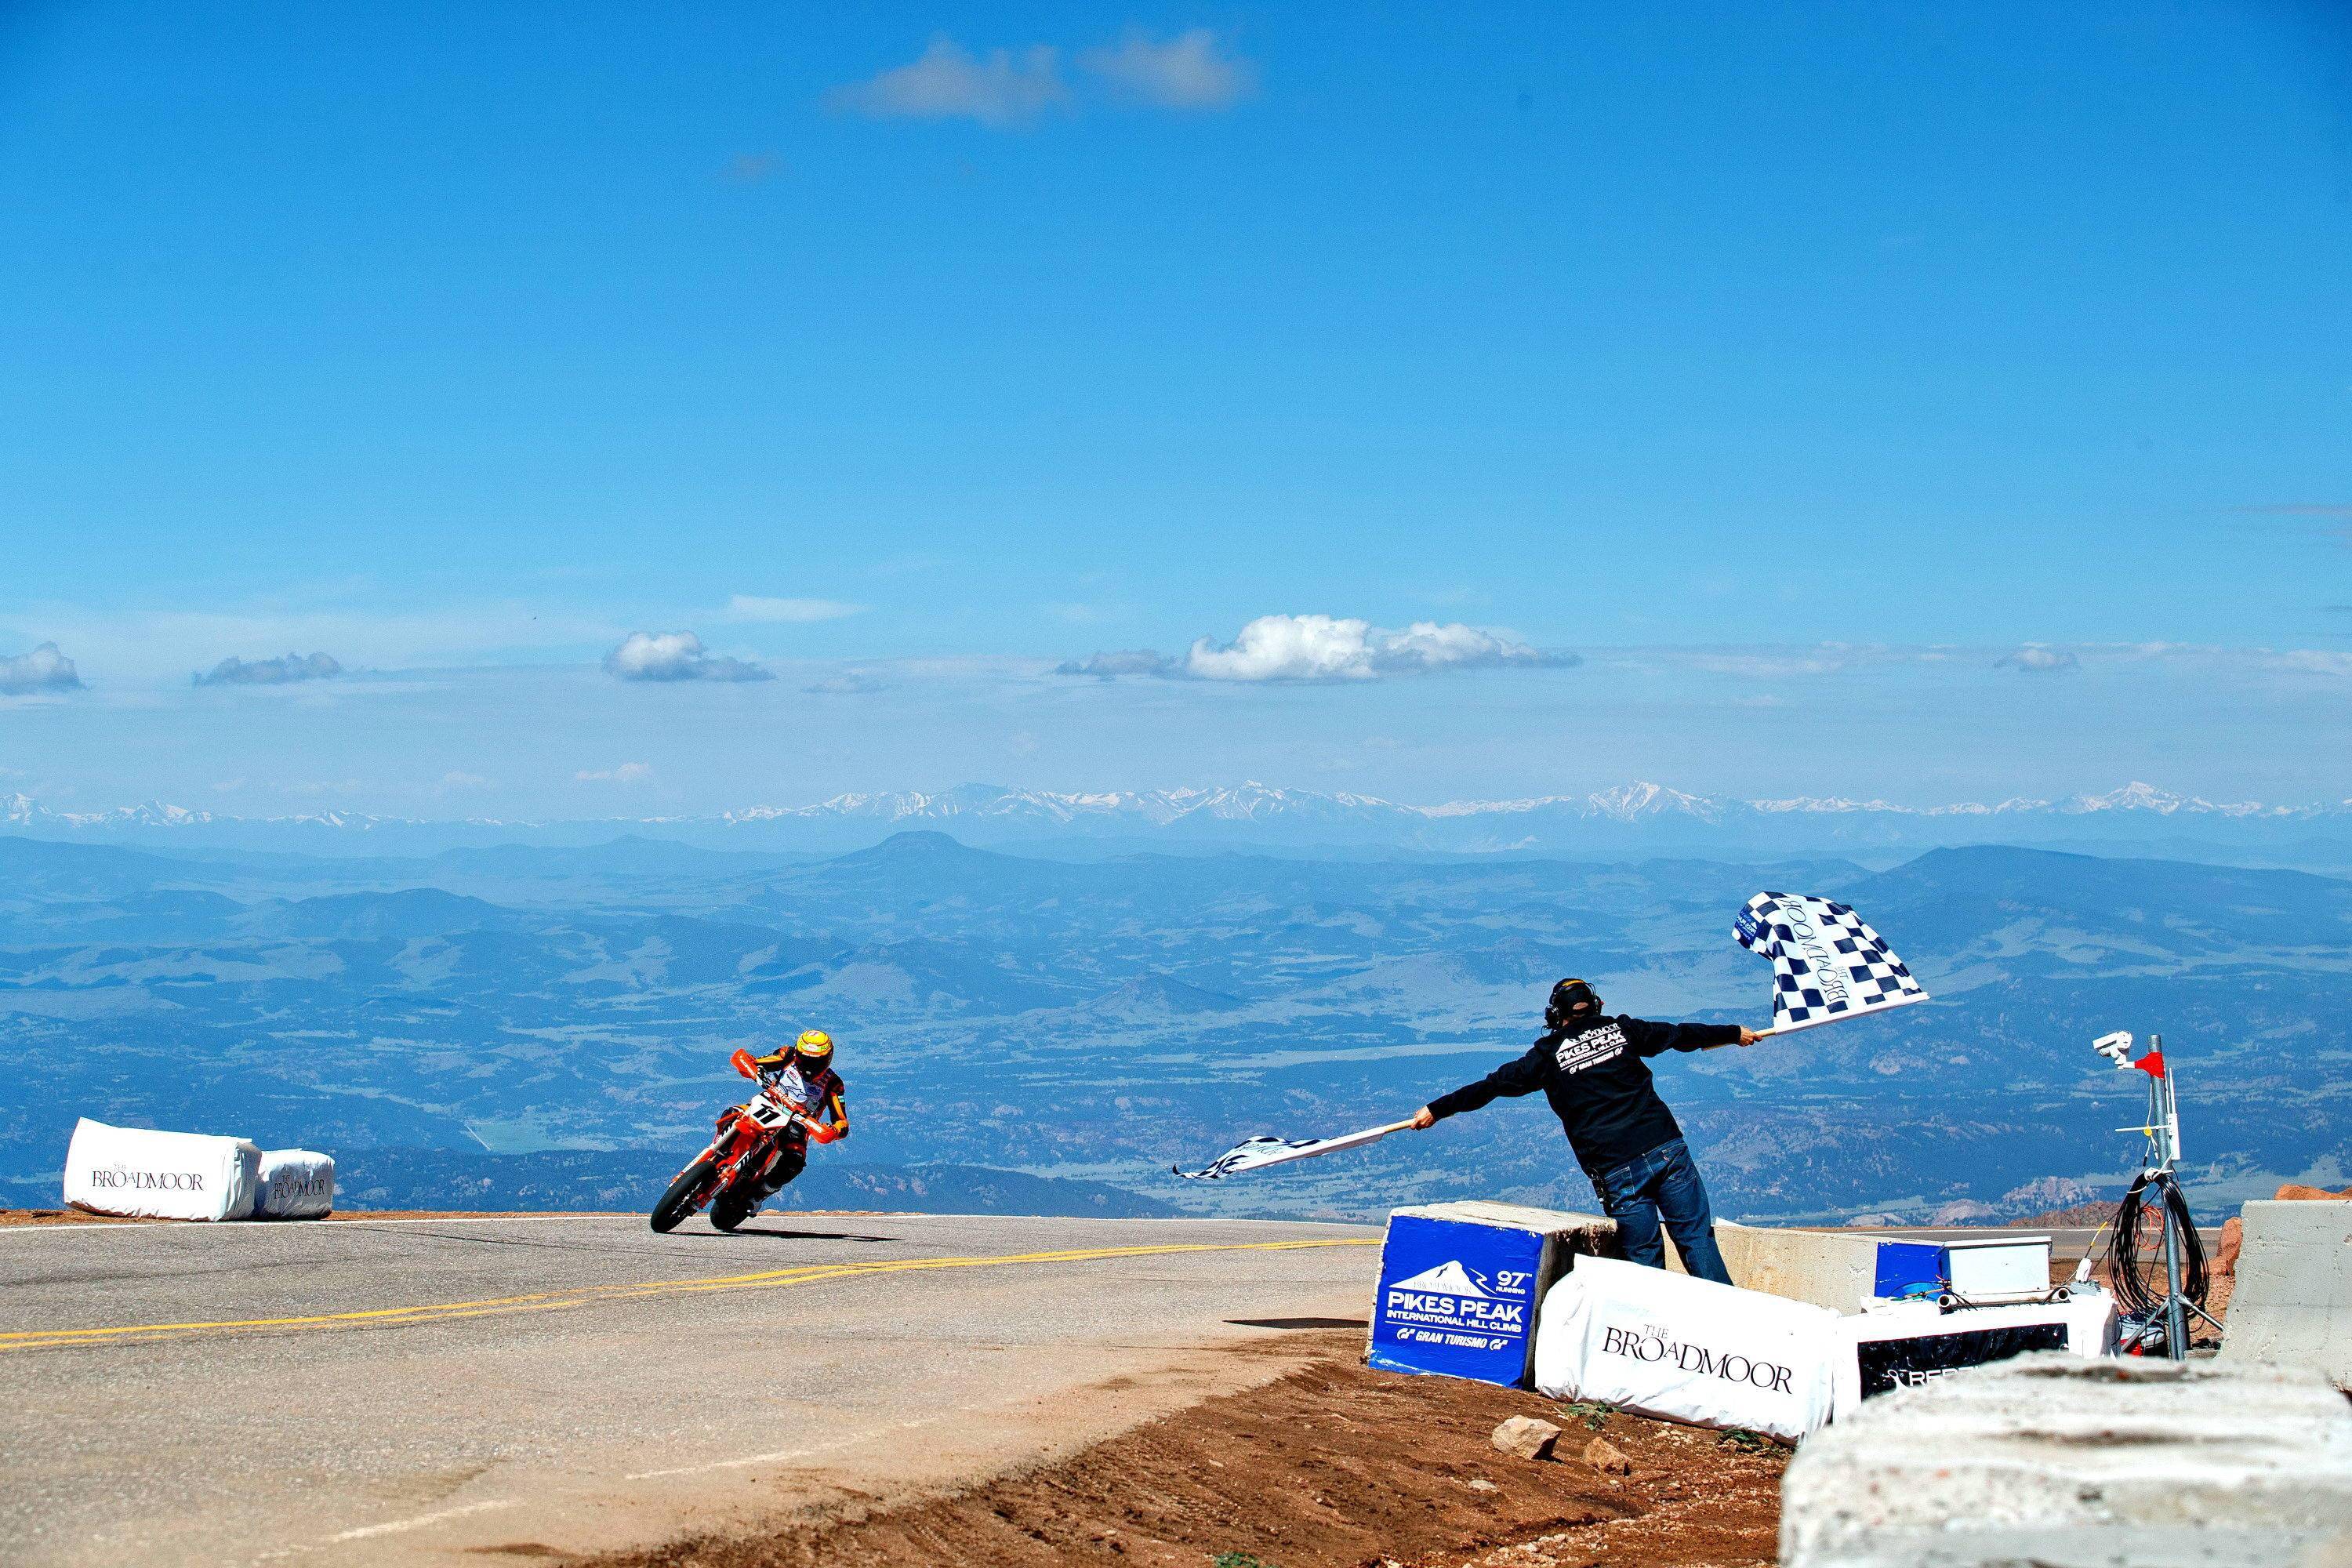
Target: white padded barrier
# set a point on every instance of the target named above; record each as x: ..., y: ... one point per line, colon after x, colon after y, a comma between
x: 296, y: 1183
x: 1688, y: 1350
x: 161, y: 1175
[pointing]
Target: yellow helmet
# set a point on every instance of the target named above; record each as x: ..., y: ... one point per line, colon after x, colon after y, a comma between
x: 816, y: 1045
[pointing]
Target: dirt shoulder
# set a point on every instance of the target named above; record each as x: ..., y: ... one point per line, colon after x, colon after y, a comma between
x: 1333, y: 1466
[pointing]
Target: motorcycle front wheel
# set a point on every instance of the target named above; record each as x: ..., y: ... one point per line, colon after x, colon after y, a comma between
x: 684, y: 1197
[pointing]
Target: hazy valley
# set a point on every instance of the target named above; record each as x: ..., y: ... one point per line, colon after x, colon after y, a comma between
x: 529, y: 1025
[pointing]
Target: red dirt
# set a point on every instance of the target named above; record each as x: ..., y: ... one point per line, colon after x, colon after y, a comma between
x: 1332, y: 1467
x: 2098, y: 1210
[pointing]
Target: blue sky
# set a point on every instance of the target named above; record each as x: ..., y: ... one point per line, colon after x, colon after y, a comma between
x: 910, y: 353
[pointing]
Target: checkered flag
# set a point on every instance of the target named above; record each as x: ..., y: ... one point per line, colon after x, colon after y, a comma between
x: 1827, y: 964
x: 1251, y: 1153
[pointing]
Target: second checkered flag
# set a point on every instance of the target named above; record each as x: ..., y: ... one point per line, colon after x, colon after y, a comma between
x: 1827, y: 962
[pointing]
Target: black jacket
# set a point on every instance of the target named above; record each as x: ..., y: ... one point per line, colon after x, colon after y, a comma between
x: 1593, y: 1073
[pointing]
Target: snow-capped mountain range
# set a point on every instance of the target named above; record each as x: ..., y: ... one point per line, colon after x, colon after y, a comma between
x: 1258, y: 816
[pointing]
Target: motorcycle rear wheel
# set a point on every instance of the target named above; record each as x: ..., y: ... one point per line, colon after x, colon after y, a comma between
x: 728, y: 1210
x: 685, y: 1195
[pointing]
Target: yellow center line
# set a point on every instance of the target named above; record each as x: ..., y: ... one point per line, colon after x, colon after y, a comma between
x: 591, y: 1295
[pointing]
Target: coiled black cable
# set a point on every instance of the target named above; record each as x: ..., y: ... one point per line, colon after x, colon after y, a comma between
x: 2132, y: 1292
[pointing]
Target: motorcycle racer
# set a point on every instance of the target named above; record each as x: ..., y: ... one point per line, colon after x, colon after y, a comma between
x: 803, y: 1072
x: 762, y: 1144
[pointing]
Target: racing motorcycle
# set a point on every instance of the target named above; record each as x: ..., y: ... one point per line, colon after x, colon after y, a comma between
x: 726, y: 1175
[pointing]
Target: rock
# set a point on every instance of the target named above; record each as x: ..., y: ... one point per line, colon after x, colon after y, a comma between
x: 2223, y: 1273
x: 2233, y: 1241
x: 1480, y: 1484
x: 2296, y: 1193
x: 1525, y: 1438
x: 1605, y: 1457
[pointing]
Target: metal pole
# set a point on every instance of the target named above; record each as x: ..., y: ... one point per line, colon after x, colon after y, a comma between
x: 2176, y: 1318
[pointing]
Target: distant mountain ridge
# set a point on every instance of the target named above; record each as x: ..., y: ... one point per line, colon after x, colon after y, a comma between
x: 1259, y: 816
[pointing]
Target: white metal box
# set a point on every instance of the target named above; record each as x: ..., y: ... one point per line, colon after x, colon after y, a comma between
x: 2011, y: 1267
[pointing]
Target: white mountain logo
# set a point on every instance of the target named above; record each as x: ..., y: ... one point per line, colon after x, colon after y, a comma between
x: 1445, y: 1280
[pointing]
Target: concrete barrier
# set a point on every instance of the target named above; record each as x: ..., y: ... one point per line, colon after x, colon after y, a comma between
x: 2293, y: 1301
x: 2054, y: 1461
x: 1836, y: 1269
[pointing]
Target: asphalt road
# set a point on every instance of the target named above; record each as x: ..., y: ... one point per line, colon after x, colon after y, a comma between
x: 479, y: 1391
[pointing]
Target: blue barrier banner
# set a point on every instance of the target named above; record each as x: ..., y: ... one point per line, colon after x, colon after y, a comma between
x: 1908, y: 1269
x: 1456, y: 1299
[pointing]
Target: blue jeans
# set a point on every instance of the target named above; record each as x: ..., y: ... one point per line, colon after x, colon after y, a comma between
x: 1663, y: 1184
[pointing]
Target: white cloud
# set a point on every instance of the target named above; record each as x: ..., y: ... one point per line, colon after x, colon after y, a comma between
x: 753, y: 168
x: 164, y: 645
x: 849, y: 683
x: 1782, y: 663
x: 283, y: 671
x: 2316, y: 661
x: 749, y: 608
x: 1129, y: 661
x: 1013, y: 87
x: 457, y: 779
x: 1185, y: 72
x: 1325, y: 647
x: 949, y: 82
x: 2034, y: 659
x: 310, y: 789
x: 1288, y: 647
x: 674, y: 655
x: 627, y: 774
x: 43, y: 670
x: 1328, y: 648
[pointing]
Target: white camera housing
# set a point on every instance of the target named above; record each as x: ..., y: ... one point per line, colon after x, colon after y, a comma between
x: 2115, y: 1048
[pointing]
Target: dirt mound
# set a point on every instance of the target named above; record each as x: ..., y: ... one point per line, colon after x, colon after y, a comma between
x: 2097, y: 1212
x: 1332, y: 1467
